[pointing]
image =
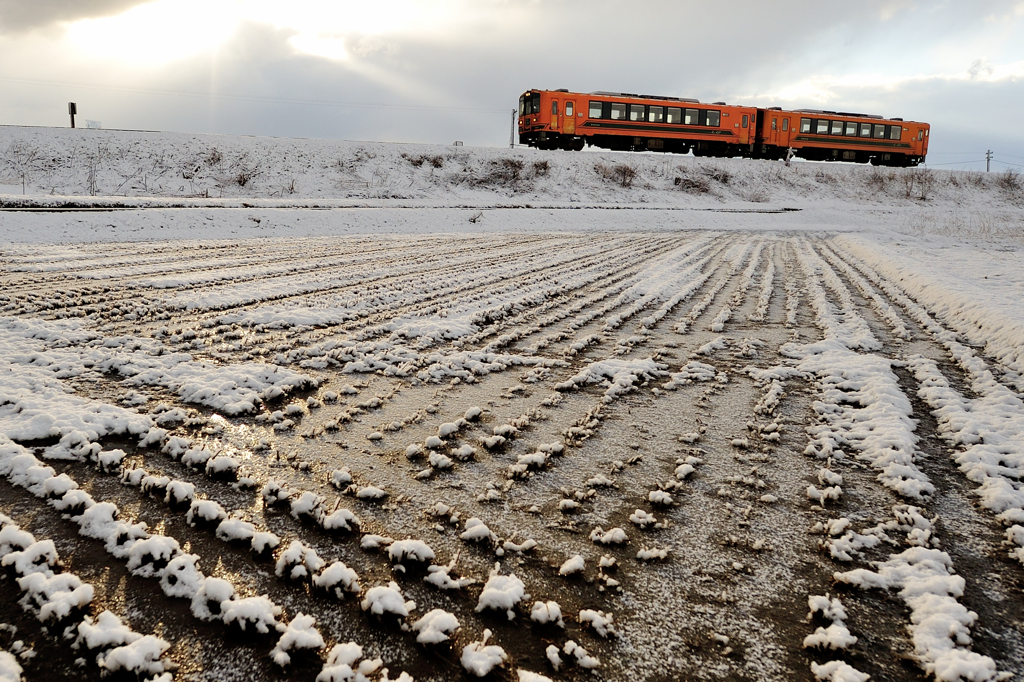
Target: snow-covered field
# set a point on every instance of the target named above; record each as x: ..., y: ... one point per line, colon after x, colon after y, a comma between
x: 508, y: 413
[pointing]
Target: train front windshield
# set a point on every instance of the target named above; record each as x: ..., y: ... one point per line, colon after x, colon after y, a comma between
x: 529, y: 104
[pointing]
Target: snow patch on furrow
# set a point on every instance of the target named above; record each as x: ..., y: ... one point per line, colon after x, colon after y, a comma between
x: 845, y: 323
x: 736, y: 300
x: 734, y: 257
x: 764, y: 297
x: 939, y: 623
x: 863, y: 407
x: 880, y: 305
x: 990, y: 432
x: 968, y: 312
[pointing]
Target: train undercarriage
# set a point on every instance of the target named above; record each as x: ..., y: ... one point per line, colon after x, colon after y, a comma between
x: 551, y: 140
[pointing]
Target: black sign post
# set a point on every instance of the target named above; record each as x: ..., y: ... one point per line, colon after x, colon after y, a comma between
x: 72, y: 110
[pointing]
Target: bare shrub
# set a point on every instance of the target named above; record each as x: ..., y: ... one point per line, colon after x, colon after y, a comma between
x: 22, y: 161
x: 541, y: 168
x: 917, y: 183
x: 878, y: 179
x: 435, y: 161
x: 925, y: 182
x: 824, y: 177
x: 1009, y: 180
x: 758, y: 196
x: 697, y: 185
x: 214, y: 158
x: 505, y: 172
x: 621, y: 174
x: 717, y: 174
x: 975, y: 178
x: 909, y: 180
x: 245, y: 175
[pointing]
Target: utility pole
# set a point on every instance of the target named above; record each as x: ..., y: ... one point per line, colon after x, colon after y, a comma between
x: 988, y: 160
x: 72, y: 110
x: 512, y: 137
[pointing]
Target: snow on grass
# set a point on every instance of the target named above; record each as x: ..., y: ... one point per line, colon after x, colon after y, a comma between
x: 387, y: 599
x: 10, y: 670
x: 548, y: 612
x: 298, y: 562
x: 502, y: 593
x: 600, y: 621
x: 410, y: 550
x: 338, y: 579
x: 618, y: 377
x: 836, y: 636
x: 480, y: 658
x: 435, y: 627
x: 571, y: 566
x: 477, y: 531
x: 120, y: 648
x: 208, y: 601
x: 299, y: 634
x: 182, y: 577
x: 614, y: 536
x: 837, y: 671
x: 582, y: 658
x: 258, y: 612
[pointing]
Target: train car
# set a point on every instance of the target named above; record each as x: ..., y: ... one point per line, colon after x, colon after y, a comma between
x: 559, y: 119
x: 840, y: 136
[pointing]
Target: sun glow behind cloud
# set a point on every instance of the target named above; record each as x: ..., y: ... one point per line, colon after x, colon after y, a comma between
x: 164, y: 31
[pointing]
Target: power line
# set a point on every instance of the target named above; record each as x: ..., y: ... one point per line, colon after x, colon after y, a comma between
x: 955, y: 163
x: 253, y: 98
x: 1007, y: 163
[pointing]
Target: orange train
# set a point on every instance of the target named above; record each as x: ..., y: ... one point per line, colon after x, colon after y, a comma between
x: 559, y: 119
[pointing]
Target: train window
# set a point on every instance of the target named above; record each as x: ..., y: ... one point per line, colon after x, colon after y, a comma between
x: 920, y: 135
x: 805, y: 125
x: 656, y: 114
x: 554, y: 108
x: 837, y: 127
x: 865, y: 130
x: 595, y: 109
x: 851, y: 129
x: 775, y: 123
x: 785, y: 124
x: 674, y: 115
x: 746, y: 121
x: 714, y: 118
x: 879, y: 131
x: 636, y: 112
x: 691, y: 117
x: 895, y: 133
x: 822, y: 127
x: 521, y: 100
x: 618, y: 112
x: 568, y: 108
x: 535, y: 103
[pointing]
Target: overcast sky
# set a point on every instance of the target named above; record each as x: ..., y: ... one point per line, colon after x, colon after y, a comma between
x: 442, y: 70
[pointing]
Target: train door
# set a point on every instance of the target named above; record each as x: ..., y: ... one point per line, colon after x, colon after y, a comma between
x: 556, y: 115
x: 569, y: 122
x: 784, y: 131
x: 773, y: 132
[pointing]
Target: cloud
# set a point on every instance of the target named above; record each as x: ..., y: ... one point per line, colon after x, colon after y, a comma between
x: 22, y: 15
